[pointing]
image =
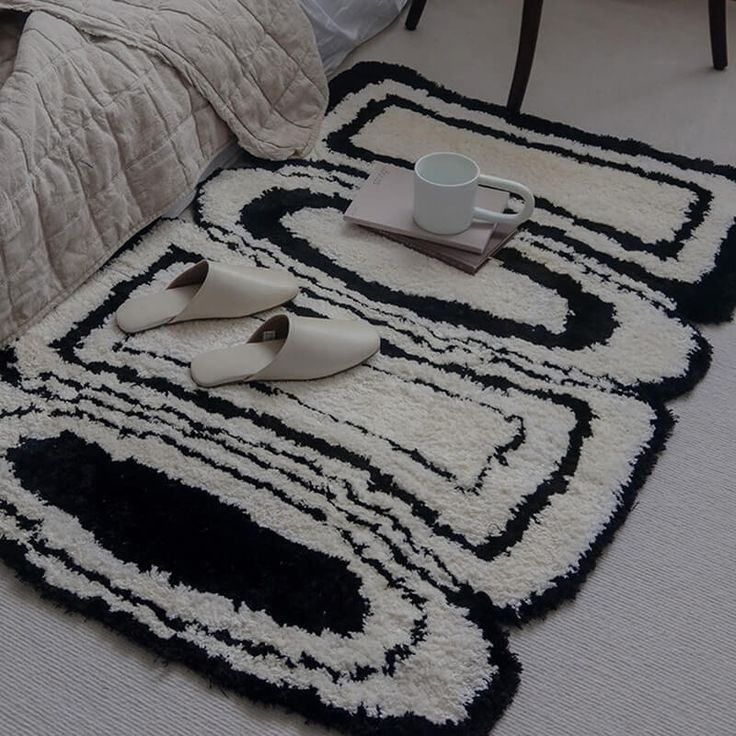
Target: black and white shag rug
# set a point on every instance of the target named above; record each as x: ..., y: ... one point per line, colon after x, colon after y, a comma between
x: 354, y: 548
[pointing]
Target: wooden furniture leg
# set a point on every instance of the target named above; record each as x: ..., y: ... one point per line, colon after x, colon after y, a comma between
x: 531, y: 17
x: 718, y: 44
x: 415, y: 13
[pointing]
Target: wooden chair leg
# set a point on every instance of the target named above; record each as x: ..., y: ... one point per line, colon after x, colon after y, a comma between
x: 415, y: 13
x: 718, y: 43
x: 530, y: 19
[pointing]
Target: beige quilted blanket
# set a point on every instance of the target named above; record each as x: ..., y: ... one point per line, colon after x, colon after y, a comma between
x: 111, y: 109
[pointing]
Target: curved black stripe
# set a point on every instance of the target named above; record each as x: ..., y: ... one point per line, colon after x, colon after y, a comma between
x: 198, y: 430
x: 157, y: 522
x: 341, y: 141
x: 8, y: 367
x: 590, y: 320
x: 712, y: 298
x: 360, y: 75
x: 176, y: 623
x: 418, y: 630
x: 499, y: 454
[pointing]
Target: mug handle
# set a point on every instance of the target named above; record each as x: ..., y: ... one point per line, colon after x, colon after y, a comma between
x: 513, y: 220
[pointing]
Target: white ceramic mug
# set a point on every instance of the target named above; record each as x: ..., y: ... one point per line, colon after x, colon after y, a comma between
x: 445, y: 189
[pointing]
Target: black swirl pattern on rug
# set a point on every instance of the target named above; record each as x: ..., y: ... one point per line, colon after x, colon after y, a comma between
x: 295, y: 544
x: 710, y: 298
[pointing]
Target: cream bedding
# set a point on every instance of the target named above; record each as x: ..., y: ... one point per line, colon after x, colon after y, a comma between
x: 110, y: 111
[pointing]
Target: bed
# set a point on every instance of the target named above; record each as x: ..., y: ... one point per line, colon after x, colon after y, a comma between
x: 339, y: 26
x: 110, y: 113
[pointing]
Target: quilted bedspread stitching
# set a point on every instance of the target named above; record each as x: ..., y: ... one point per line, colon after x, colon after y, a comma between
x: 108, y: 105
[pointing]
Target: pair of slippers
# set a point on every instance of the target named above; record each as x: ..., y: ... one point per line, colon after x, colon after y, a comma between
x: 284, y: 347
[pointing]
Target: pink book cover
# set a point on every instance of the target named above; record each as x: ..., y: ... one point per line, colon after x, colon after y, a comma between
x: 386, y: 201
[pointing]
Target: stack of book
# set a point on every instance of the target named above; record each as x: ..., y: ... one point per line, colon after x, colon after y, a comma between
x: 385, y: 203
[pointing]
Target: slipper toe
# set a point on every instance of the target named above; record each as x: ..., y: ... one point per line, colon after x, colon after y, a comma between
x: 289, y: 348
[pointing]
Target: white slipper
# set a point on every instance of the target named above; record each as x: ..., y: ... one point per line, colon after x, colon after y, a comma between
x: 290, y: 349
x: 208, y: 290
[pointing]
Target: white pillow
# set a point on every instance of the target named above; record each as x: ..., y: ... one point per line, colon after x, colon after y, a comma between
x: 342, y: 25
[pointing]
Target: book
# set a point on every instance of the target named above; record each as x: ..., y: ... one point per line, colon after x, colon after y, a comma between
x: 386, y: 201
x: 462, y: 259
